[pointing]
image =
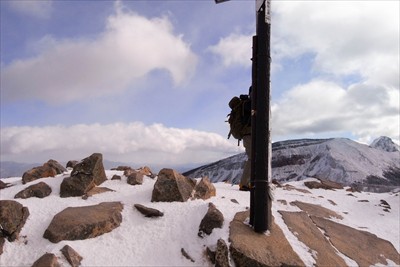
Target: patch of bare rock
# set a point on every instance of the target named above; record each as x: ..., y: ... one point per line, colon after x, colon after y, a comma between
x: 249, y: 248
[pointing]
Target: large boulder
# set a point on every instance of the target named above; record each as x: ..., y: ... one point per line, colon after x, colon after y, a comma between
x: 172, y: 186
x: 86, y: 174
x: 204, y: 189
x: 38, y: 172
x: 39, y: 190
x: 213, y: 219
x: 12, y: 218
x: 79, y: 223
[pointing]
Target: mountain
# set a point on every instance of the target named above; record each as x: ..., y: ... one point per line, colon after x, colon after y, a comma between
x: 386, y: 144
x: 337, y: 159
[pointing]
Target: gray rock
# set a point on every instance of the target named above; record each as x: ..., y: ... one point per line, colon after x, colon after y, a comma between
x: 79, y: 223
x: 39, y: 190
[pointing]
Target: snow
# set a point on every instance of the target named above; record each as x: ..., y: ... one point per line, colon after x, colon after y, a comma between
x: 141, y: 241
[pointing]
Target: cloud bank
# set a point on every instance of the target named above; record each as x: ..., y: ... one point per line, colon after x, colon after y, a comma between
x: 132, y: 143
x: 126, y: 51
x: 354, y: 50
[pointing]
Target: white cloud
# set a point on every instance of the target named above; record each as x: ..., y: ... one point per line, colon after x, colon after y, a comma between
x: 34, y: 8
x: 134, y: 142
x: 346, y: 37
x: 234, y: 49
x: 319, y: 107
x: 130, y: 48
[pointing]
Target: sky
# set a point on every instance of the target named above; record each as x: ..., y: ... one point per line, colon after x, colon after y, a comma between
x: 148, y: 82
x: 140, y: 241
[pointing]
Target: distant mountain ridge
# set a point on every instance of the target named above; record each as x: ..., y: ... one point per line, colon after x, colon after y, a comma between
x: 342, y: 160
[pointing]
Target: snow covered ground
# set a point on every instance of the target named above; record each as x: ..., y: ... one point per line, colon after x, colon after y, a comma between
x: 141, y: 241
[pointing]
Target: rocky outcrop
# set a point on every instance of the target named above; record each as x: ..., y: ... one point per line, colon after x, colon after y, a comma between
x: 300, y: 224
x: 148, y: 212
x: 249, y: 248
x: 12, y: 218
x: 204, y: 189
x: 80, y: 223
x: 39, y: 190
x: 47, y: 260
x: 363, y: 247
x: 86, y: 174
x: 72, y: 256
x: 172, y: 186
x: 213, y: 219
x: 50, y: 169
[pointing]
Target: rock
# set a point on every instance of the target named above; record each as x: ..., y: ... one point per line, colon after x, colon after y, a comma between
x: 300, y: 224
x: 323, y: 184
x: 316, y: 210
x: 57, y: 166
x: 222, y: 254
x: 47, y: 260
x: 72, y: 256
x: 39, y: 190
x: 96, y: 190
x: 72, y: 163
x: 38, y: 172
x: 204, y: 189
x: 363, y: 247
x: 86, y: 174
x: 210, y: 255
x: 212, y: 219
x: 135, y: 178
x: 92, y: 166
x: 116, y: 177
x: 148, y: 212
x: 172, y: 186
x: 12, y: 218
x: 4, y: 185
x: 121, y: 168
x: 146, y: 171
x: 2, y: 241
x: 79, y: 223
x: 249, y: 248
x: 186, y: 255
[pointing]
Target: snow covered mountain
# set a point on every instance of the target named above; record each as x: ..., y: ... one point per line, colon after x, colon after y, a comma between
x: 370, y: 168
x: 386, y: 144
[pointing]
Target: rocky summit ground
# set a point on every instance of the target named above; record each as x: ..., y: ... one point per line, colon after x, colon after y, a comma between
x: 318, y: 226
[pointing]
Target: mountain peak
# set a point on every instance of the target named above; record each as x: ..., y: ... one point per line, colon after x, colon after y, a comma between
x: 386, y: 144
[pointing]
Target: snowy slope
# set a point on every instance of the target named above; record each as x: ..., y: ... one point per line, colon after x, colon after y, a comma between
x: 141, y: 241
x: 336, y: 159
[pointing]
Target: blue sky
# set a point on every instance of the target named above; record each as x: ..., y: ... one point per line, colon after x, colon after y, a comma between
x: 148, y: 82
